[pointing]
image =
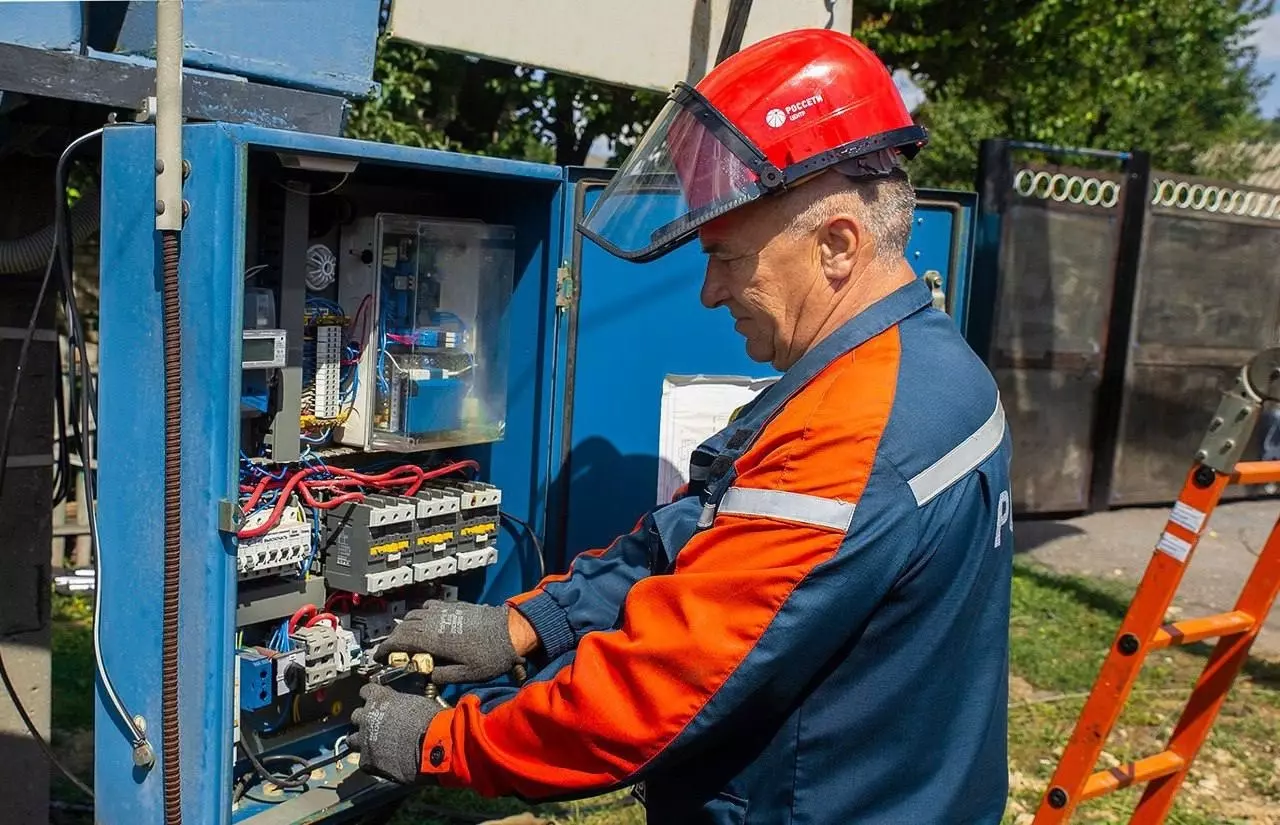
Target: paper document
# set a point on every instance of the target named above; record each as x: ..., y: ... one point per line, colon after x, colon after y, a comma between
x: 694, y: 408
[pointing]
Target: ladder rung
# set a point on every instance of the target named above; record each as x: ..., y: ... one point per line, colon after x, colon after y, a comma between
x: 1143, y: 770
x: 1190, y: 631
x: 1256, y: 472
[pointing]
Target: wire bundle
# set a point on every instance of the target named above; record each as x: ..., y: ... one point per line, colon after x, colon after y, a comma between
x: 322, y: 486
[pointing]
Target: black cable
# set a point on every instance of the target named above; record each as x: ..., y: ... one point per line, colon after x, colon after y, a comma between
x: 60, y: 208
x: 62, y: 469
x: 297, y: 779
x: 282, y: 781
x: 245, y: 783
x: 533, y: 537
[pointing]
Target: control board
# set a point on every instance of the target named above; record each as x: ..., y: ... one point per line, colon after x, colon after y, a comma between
x: 370, y: 352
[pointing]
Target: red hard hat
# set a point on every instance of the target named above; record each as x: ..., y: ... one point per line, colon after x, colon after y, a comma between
x: 765, y: 119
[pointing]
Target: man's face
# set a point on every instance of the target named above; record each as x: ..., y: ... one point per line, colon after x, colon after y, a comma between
x: 763, y: 276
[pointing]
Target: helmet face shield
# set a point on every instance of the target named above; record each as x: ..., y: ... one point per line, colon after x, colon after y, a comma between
x: 694, y: 165
x: 690, y: 167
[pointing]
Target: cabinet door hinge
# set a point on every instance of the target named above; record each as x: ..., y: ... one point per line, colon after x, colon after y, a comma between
x: 565, y: 294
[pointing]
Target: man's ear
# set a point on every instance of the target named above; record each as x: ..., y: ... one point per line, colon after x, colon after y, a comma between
x: 843, y: 247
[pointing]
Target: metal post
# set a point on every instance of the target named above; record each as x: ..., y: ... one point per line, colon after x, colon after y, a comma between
x: 1106, y: 427
x: 994, y: 184
x: 169, y: 115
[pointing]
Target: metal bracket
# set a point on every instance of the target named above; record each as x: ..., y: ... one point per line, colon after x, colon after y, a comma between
x: 1237, y: 414
x: 565, y: 294
x: 230, y: 517
x: 934, y: 279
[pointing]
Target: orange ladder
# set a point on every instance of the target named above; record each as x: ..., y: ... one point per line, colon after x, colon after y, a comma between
x: 1217, y: 464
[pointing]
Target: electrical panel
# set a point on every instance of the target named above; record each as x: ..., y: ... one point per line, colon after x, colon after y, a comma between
x: 374, y: 346
x: 433, y: 356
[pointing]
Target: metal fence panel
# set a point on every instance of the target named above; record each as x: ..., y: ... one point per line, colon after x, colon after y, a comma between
x: 1061, y: 233
x: 1208, y: 299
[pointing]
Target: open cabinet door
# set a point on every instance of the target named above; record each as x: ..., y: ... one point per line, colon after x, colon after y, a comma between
x: 627, y: 328
x: 648, y: 371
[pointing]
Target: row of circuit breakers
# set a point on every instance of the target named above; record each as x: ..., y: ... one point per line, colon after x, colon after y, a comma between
x: 384, y: 542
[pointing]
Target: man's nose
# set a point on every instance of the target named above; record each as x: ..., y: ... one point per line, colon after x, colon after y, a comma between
x: 713, y: 291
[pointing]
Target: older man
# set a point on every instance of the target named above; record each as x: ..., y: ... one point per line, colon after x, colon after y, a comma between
x: 816, y: 629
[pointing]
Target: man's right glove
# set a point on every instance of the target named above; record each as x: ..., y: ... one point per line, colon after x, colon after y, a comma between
x: 470, y: 642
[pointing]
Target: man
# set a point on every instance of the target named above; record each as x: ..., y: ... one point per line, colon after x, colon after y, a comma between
x: 816, y: 629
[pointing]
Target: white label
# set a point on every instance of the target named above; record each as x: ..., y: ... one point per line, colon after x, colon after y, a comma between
x: 1188, y: 517
x: 1171, y: 545
x: 694, y: 408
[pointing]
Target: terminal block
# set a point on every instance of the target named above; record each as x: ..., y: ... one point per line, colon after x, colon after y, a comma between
x: 281, y: 551
x: 368, y: 545
x: 436, y: 533
x: 368, y: 626
x: 479, y: 508
x: 256, y: 679
x: 320, y: 646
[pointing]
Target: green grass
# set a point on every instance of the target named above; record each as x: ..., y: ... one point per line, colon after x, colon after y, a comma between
x: 1060, y: 630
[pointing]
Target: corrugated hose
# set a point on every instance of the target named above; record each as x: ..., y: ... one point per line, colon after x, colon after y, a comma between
x: 172, y: 322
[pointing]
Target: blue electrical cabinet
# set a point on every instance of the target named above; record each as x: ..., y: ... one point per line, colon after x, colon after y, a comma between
x: 589, y: 341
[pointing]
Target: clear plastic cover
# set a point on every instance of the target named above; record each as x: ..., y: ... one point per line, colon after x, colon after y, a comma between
x: 678, y: 177
x: 440, y: 365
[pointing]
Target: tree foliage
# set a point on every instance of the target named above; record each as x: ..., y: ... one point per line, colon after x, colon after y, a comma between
x: 442, y: 100
x: 1174, y: 77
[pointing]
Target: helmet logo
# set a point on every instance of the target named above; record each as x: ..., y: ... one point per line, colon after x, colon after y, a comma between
x: 792, y: 111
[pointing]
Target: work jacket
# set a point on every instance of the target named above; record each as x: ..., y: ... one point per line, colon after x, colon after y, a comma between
x: 815, y: 631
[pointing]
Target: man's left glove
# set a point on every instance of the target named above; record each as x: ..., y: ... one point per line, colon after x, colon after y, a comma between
x: 389, y: 732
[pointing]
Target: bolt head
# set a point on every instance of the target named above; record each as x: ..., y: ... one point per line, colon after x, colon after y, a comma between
x: 143, y: 756
x: 1057, y: 798
x: 159, y: 207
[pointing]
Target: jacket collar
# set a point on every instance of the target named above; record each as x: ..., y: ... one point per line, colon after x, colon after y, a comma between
x: 898, y: 305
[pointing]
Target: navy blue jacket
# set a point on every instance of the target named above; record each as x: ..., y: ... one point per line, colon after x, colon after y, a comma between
x: 816, y: 631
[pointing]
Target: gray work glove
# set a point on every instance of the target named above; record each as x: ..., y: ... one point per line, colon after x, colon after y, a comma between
x: 470, y: 642
x: 389, y: 731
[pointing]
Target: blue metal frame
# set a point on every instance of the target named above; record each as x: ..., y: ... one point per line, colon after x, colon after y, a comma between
x: 326, y: 46
x: 131, y: 447
x: 131, y: 427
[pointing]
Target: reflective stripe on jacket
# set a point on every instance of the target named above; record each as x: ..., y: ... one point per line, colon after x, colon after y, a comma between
x: 816, y: 631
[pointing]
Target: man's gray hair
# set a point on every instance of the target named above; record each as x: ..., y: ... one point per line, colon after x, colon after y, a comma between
x: 885, y: 205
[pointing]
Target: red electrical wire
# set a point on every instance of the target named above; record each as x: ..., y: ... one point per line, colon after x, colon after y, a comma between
x: 307, y: 610
x: 338, y: 601
x: 323, y: 617
x: 406, y: 474
x: 363, y: 334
